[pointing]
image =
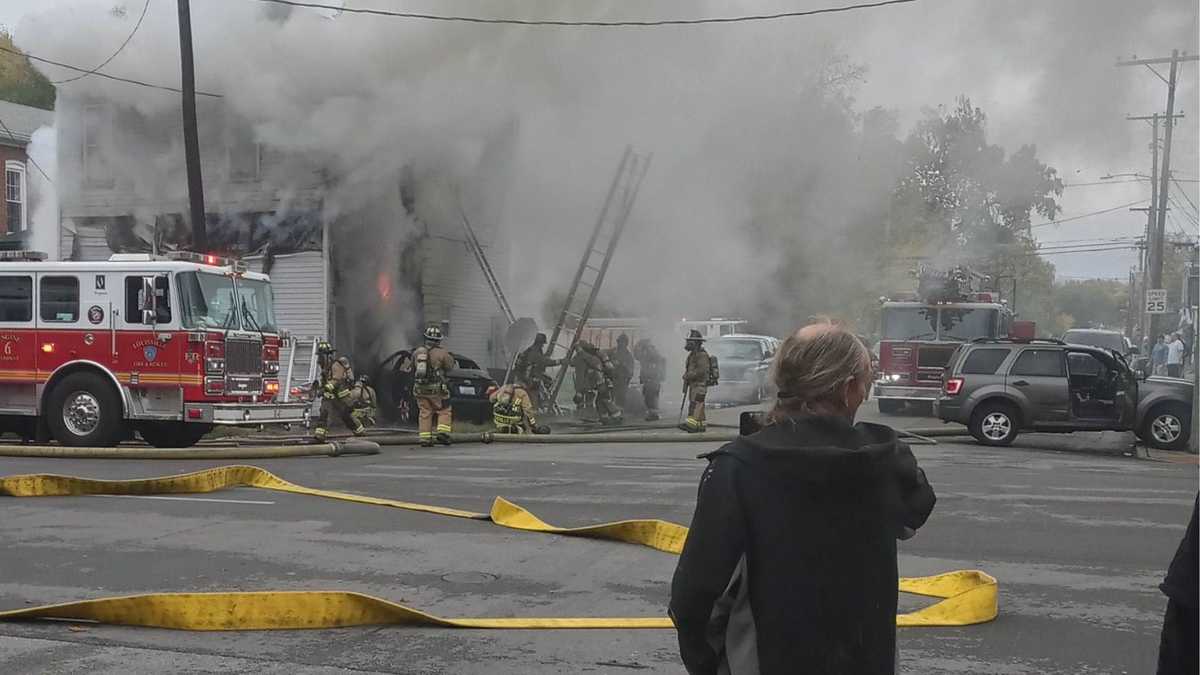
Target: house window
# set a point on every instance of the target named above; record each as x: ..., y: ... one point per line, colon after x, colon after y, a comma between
x: 245, y: 159
x: 97, y: 122
x: 14, y: 196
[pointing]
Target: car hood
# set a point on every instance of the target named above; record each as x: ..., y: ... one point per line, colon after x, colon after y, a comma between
x: 1167, y: 384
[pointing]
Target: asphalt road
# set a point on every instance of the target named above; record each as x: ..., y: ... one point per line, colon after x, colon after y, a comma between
x: 1079, y: 542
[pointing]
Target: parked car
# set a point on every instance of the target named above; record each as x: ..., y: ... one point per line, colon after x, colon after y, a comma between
x: 999, y: 388
x: 745, y: 363
x: 1095, y: 337
x: 468, y: 384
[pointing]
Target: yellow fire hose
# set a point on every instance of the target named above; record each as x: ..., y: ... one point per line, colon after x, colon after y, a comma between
x: 968, y: 596
x: 350, y: 446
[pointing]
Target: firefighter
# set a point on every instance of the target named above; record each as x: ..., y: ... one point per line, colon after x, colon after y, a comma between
x: 695, y: 381
x: 363, y: 405
x: 513, y: 412
x: 588, y: 372
x: 335, y: 386
x: 531, y: 369
x: 623, y: 362
x: 651, y: 374
x: 431, y: 361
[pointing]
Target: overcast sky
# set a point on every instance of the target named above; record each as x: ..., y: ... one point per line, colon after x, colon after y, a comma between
x: 1042, y: 71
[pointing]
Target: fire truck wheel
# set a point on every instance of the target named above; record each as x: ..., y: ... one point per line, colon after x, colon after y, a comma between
x: 994, y: 423
x: 172, y: 434
x: 84, y: 410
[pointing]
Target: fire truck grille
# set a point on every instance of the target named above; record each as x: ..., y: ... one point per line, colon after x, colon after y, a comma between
x: 243, y: 357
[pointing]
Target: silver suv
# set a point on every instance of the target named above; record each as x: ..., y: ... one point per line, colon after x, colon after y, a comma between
x: 1001, y: 387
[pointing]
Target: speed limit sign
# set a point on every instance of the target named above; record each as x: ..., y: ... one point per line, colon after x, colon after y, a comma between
x: 1156, y: 301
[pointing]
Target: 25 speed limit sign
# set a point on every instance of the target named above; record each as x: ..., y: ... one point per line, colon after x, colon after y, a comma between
x: 1156, y: 301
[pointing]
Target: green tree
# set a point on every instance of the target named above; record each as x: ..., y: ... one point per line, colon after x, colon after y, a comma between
x: 962, y: 200
x: 19, y: 81
x: 1095, y: 303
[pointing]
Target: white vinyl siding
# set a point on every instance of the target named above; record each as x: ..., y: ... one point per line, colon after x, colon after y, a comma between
x: 455, y: 290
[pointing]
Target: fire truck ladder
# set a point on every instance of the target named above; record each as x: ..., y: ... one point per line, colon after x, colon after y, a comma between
x: 596, y: 257
x: 310, y: 345
x: 485, y: 266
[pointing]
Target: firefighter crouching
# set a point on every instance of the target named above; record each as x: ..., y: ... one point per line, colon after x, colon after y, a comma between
x: 652, y: 372
x: 337, y: 391
x: 430, y: 364
x: 513, y: 411
x: 698, y: 376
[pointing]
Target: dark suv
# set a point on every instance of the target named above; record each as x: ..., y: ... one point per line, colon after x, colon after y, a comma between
x: 1001, y: 387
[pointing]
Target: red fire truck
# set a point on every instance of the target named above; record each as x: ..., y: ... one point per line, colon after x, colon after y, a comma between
x: 92, y: 351
x: 919, y: 332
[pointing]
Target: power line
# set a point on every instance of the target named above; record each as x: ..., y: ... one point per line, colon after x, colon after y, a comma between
x: 1105, y: 182
x: 1087, y: 215
x: 112, y: 56
x: 77, y: 69
x: 589, y: 24
x: 1180, y: 190
x: 32, y: 161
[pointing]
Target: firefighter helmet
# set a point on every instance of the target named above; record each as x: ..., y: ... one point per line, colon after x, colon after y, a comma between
x: 694, y: 339
x: 433, y: 334
x: 324, y: 348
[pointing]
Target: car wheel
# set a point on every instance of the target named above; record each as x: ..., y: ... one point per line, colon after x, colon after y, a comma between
x: 84, y: 410
x: 994, y: 424
x: 888, y: 407
x: 1167, y: 427
x: 173, y: 434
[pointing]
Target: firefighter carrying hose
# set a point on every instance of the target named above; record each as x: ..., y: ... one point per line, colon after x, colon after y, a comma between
x: 697, y: 377
x: 513, y: 411
x: 430, y: 364
x: 336, y: 387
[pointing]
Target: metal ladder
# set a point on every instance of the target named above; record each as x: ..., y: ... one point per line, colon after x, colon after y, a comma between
x: 596, y: 258
x: 485, y: 266
x: 297, y: 341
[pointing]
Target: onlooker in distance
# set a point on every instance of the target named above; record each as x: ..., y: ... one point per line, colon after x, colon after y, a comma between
x: 790, y: 564
x: 1175, y: 356
x: 1158, y: 356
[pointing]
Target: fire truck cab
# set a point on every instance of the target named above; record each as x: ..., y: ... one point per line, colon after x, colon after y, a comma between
x: 919, y: 332
x: 91, y: 352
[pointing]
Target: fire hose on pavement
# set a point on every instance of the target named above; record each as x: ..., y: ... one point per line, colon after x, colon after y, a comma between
x: 350, y: 446
x: 967, y: 596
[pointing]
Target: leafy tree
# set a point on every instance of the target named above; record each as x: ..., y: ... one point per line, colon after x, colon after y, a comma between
x: 1095, y: 303
x: 963, y: 200
x: 19, y: 81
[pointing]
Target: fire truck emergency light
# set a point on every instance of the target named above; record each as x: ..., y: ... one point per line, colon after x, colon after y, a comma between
x: 48, y: 347
x: 208, y: 259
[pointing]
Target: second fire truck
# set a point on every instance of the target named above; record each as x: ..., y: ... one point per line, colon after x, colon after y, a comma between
x: 91, y: 352
x: 919, y: 332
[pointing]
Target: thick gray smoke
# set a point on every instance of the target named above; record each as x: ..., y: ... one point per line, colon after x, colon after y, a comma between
x: 527, y: 124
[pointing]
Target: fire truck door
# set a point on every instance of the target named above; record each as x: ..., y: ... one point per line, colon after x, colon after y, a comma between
x: 149, y: 350
x: 64, y: 333
x: 18, y: 344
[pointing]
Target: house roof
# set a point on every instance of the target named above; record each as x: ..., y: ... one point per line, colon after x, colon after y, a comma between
x: 21, y: 121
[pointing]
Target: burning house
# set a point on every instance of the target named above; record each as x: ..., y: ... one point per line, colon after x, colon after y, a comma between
x: 365, y: 256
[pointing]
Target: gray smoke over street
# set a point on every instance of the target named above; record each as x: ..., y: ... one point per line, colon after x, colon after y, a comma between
x: 752, y: 151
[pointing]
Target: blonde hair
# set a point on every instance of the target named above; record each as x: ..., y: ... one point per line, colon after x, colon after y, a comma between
x: 813, y: 365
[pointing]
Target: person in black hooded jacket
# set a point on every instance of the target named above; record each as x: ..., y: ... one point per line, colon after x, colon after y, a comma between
x: 790, y: 562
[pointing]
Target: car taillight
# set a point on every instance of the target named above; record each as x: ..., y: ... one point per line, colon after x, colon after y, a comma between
x: 953, y: 386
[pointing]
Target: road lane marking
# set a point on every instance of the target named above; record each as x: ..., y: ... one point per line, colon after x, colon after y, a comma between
x: 187, y: 499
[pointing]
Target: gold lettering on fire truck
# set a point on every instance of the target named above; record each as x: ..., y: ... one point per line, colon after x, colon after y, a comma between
x: 148, y: 354
x: 9, y: 351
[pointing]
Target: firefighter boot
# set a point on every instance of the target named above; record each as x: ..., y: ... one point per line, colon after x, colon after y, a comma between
x: 426, y: 439
x: 319, y: 434
x: 443, y: 434
x: 360, y: 430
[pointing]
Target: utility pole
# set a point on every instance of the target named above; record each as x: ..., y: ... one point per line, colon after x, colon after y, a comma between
x: 1162, y: 178
x: 191, y: 137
